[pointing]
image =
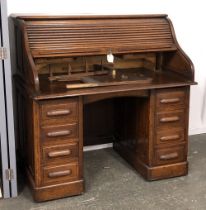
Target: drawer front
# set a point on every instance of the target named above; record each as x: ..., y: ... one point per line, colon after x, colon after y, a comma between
x: 59, y: 134
x: 59, y: 174
x: 170, y: 100
x: 170, y: 136
x: 168, y: 121
x: 59, y: 112
x: 60, y: 154
x: 170, y: 155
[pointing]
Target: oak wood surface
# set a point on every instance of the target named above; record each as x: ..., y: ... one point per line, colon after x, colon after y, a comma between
x: 140, y: 101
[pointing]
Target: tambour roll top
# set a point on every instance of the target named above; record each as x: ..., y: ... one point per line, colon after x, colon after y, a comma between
x: 75, y: 36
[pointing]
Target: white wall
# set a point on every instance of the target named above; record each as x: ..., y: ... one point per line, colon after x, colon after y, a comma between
x: 187, y: 16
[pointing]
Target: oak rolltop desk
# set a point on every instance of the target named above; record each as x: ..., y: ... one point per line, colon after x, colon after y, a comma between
x: 67, y: 63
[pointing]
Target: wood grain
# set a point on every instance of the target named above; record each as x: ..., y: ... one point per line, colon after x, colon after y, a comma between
x: 140, y: 101
x: 68, y: 37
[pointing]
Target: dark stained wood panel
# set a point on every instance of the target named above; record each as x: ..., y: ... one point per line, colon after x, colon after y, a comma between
x: 86, y: 37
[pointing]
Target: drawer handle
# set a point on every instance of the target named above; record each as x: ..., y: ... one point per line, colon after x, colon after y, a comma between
x: 59, y: 153
x: 58, y: 112
x: 169, y: 119
x: 59, y: 173
x: 167, y: 138
x: 169, y: 156
x: 170, y: 100
x: 59, y: 133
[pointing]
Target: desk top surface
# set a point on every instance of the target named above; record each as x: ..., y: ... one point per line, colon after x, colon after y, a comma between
x: 161, y: 79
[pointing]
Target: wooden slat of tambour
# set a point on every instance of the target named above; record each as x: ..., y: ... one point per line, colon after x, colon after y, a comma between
x: 97, y: 30
x: 109, y: 42
x: 83, y: 42
x: 88, y: 28
x: 73, y: 32
x: 67, y: 32
x: 123, y: 44
x: 58, y: 53
x: 92, y: 26
x: 108, y: 21
x: 106, y: 39
x: 112, y: 47
x: 44, y: 17
x: 75, y: 29
x: 108, y: 35
x: 73, y: 37
x: 90, y: 40
x: 82, y: 35
x: 99, y: 38
x: 52, y: 54
x: 77, y: 26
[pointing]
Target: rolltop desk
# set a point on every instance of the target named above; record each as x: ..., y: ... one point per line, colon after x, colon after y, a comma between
x: 66, y: 63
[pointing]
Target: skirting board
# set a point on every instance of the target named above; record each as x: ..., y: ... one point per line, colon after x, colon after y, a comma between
x: 97, y: 147
x: 195, y: 131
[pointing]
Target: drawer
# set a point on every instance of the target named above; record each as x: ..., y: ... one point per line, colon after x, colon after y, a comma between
x: 168, y: 121
x: 59, y: 174
x: 58, y: 112
x: 59, y: 134
x: 170, y: 136
x: 170, y: 100
x: 170, y: 155
x: 60, y: 154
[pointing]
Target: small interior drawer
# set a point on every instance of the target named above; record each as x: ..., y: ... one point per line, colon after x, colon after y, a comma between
x: 170, y: 155
x: 60, y: 154
x: 170, y: 136
x: 59, y: 174
x: 170, y: 100
x: 167, y: 121
x: 58, y: 111
x: 59, y: 134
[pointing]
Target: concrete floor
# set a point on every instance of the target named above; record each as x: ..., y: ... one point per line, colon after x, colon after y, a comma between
x: 112, y: 184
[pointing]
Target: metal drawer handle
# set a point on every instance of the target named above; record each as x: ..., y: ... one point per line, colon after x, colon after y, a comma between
x: 169, y: 156
x: 170, y: 100
x: 167, y: 138
x: 59, y: 173
x: 59, y: 153
x: 59, y: 133
x: 169, y: 119
x: 58, y: 112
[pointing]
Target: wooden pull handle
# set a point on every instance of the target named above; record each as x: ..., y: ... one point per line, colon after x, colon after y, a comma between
x: 167, y: 138
x: 59, y: 173
x: 58, y: 112
x: 59, y: 133
x: 169, y: 156
x: 59, y: 153
x: 169, y: 119
x: 169, y: 100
